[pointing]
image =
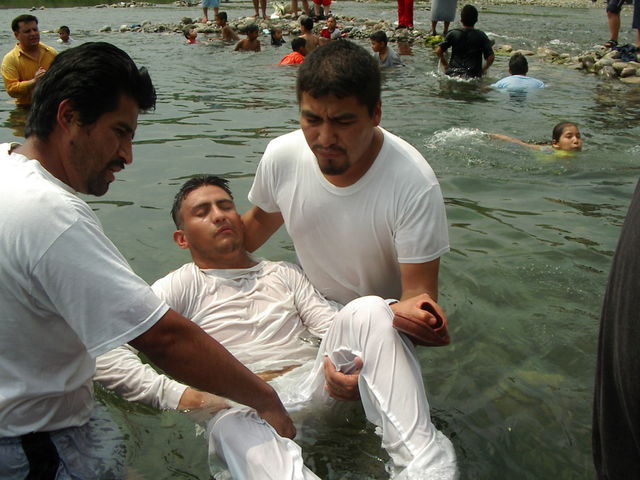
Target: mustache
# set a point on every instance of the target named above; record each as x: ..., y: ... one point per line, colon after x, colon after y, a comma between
x: 330, y: 148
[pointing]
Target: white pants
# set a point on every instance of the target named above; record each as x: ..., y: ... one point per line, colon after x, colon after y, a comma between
x: 393, y: 398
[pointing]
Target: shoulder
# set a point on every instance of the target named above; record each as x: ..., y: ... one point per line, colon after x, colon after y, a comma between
x: 406, y: 162
x: 11, y: 55
x: 48, y: 49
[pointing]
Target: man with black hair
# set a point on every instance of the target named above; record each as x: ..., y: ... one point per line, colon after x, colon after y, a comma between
x: 285, y: 313
x: 518, y: 80
x: 386, y: 56
x: 23, y: 66
x: 469, y: 45
x: 306, y: 32
x: 68, y: 295
x: 363, y: 207
x: 296, y: 57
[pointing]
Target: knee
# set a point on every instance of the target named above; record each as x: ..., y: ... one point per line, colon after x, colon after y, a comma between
x: 371, y: 313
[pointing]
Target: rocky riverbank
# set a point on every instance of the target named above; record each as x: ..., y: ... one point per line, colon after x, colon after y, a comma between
x: 600, y: 61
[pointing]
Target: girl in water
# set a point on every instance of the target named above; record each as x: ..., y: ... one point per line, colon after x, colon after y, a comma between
x: 565, y: 137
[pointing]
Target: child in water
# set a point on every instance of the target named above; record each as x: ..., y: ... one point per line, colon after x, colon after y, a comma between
x: 565, y: 137
x: 190, y: 34
x: 276, y: 37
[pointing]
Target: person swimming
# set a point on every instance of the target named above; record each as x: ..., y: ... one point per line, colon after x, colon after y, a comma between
x: 565, y: 137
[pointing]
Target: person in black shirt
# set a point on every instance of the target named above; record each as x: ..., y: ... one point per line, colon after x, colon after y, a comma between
x: 469, y: 44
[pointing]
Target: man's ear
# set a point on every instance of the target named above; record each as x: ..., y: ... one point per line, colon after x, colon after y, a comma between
x: 377, y: 114
x: 555, y: 144
x: 180, y: 238
x: 66, y: 116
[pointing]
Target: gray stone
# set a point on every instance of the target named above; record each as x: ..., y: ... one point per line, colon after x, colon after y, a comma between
x: 106, y: 28
x: 631, y: 80
x: 628, y: 72
x: 619, y: 66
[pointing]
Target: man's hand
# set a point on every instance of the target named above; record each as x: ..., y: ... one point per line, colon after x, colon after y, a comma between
x: 422, y: 319
x: 342, y: 386
x: 279, y: 419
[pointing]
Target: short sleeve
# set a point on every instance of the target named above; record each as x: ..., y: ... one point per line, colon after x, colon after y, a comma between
x: 422, y: 232
x: 84, y: 278
x: 262, y: 193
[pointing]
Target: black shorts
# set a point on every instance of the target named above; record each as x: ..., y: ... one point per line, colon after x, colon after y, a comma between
x: 614, y: 6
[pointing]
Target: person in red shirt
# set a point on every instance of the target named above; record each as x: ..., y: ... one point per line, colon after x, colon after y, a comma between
x: 299, y: 47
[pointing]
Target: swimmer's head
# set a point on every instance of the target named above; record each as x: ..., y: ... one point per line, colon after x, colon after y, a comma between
x: 64, y: 33
x: 518, y: 64
x: 299, y: 45
x: 566, y: 136
x: 190, y: 33
x: 221, y: 19
x: 469, y: 15
x: 307, y: 23
x: 276, y: 34
x: 378, y: 40
x: 252, y: 31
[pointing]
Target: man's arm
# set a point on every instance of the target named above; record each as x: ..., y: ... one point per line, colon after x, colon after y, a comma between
x: 259, y: 226
x: 122, y: 371
x: 443, y: 61
x: 488, y: 62
x: 420, y: 278
x: 14, y: 87
x: 182, y: 349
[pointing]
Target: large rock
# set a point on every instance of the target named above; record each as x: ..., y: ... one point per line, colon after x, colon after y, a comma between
x: 631, y: 80
x: 628, y: 72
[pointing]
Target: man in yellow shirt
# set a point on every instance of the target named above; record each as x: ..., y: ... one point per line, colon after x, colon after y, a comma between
x: 27, y: 62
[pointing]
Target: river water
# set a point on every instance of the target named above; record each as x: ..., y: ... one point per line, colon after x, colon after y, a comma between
x: 531, y: 237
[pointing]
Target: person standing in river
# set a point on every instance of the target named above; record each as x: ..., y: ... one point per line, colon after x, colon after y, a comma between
x: 25, y: 65
x: 68, y: 295
x: 468, y: 46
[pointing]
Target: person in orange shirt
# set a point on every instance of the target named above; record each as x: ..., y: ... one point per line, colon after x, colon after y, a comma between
x: 23, y: 66
x: 299, y: 47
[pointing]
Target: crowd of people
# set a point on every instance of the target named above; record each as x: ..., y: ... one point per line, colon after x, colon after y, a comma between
x: 248, y: 316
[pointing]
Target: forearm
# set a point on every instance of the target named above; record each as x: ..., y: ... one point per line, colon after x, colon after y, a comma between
x: 17, y: 89
x: 259, y: 226
x: 122, y: 371
x: 419, y: 278
x: 186, y: 352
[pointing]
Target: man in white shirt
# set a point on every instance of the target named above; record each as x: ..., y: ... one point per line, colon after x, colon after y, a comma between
x: 284, y: 313
x: 363, y: 207
x: 68, y: 295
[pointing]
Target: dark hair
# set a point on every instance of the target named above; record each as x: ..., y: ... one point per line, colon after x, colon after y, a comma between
x: 187, y: 30
x: 93, y: 76
x: 22, y: 18
x: 379, y: 36
x: 192, y: 184
x: 518, y: 64
x: 64, y: 29
x: 559, y: 129
x: 469, y: 15
x: 297, y: 43
x: 341, y: 69
x: 252, y: 27
x: 306, y: 22
x: 222, y: 16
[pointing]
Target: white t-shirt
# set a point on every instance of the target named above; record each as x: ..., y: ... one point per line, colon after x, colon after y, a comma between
x: 351, y: 240
x: 265, y: 316
x: 67, y: 295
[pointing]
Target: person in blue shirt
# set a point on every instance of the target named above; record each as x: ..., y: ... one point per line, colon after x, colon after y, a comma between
x: 518, y: 80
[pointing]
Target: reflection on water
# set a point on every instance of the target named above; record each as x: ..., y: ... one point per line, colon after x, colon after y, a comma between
x: 16, y: 120
x: 531, y: 235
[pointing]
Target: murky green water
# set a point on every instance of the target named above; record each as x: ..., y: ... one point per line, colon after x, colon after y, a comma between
x: 531, y: 238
